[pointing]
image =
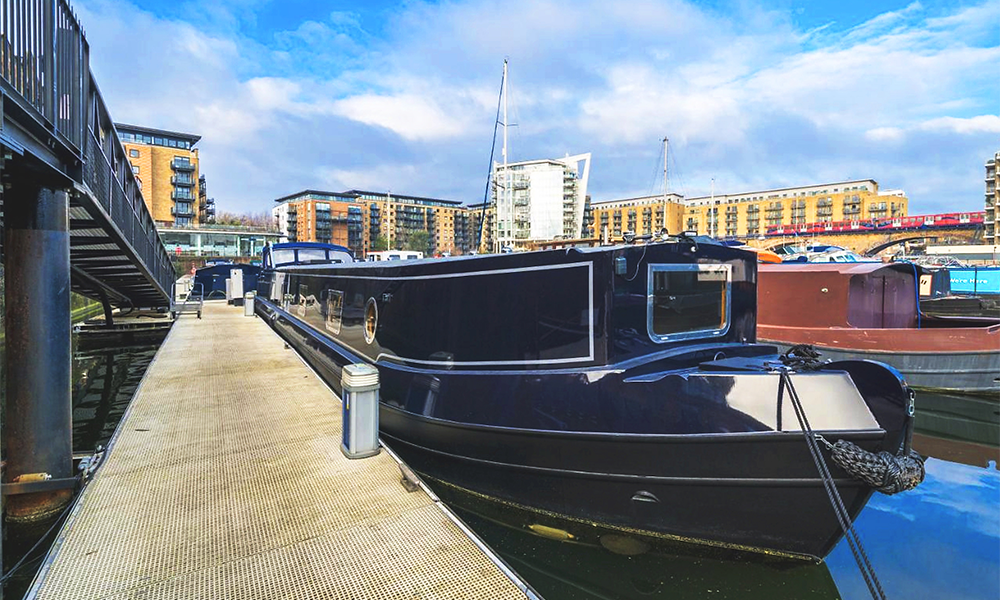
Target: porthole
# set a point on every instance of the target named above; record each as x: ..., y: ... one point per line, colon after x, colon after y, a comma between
x: 371, y: 320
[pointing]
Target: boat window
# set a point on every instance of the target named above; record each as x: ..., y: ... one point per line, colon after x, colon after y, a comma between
x: 371, y: 320
x: 334, y: 310
x: 283, y: 256
x: 312, y: 255
x: 687, y: 301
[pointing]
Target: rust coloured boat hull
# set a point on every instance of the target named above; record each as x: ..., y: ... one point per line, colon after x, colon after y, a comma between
x: 968, y: 372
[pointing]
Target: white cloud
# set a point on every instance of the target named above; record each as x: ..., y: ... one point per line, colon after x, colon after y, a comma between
x: 885, y: 134
x: 972, y: 125
x: 411, y: 116
x: 380, y: 178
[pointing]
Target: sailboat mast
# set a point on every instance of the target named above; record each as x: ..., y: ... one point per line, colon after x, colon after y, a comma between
x: 712, y: 216
x: 508, y: 200
x: 666, y: 181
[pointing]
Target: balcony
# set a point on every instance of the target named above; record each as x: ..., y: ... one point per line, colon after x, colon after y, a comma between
x: 184, y: 166
x: 182, y: 210
x: 182, y: 195
x: 184, y: 180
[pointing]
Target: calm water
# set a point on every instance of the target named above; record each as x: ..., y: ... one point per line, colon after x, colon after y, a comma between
x: 940, y: 541
x: 104, y: 382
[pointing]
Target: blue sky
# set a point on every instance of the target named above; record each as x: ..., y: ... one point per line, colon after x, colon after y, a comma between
x: 401, y: 96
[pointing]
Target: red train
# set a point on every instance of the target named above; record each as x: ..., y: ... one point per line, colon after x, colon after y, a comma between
x: 966, y: 219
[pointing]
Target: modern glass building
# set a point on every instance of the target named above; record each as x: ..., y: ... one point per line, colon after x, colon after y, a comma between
x: 217, y: 240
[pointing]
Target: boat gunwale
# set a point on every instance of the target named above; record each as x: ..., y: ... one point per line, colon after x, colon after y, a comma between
x: 785, y: 436
x: 878, y: 335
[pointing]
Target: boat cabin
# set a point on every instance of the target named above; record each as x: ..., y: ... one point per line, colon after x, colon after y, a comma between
x: 858, y: 295
x: 304, y: 253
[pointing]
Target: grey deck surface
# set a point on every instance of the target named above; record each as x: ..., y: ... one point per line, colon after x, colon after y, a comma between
x: 227, y: 481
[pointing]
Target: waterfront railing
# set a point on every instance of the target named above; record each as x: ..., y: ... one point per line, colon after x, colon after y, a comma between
x: 48, y: 87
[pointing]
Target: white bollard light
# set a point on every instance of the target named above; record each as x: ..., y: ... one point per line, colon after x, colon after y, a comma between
x: 360, y: 410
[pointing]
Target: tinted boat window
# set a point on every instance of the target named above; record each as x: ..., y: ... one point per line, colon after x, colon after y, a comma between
x: 688, y: 301
x: 312, y: 255
x: 284, y: 256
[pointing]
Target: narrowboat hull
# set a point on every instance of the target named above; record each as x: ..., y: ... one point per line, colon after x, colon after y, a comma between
x: 756, y: 492
x: 972, y: 371
x: 557, y: 402
x: 871, y: 311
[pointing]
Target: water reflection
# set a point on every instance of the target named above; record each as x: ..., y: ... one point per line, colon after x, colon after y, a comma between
x: 568, y: 570
x: 941, y: 540
x: 104, y: 382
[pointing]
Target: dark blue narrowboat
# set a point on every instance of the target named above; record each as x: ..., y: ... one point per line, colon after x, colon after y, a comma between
x: 621, y: 387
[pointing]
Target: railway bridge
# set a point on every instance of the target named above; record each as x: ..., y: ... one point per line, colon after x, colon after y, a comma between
x: 864, y: 242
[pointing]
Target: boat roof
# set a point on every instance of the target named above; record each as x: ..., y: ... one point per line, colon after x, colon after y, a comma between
x: 847, y: 269
x: 293, y: 245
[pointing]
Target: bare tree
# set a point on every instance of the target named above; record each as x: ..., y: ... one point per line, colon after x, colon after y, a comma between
x: 262, y: 220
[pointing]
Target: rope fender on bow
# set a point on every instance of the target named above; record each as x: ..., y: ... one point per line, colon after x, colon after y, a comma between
x: 886, y: 472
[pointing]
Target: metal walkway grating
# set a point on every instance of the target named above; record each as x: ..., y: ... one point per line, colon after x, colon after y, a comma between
x: 226, y: 480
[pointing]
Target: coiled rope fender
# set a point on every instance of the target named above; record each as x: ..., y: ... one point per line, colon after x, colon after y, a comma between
x: 884, y: 471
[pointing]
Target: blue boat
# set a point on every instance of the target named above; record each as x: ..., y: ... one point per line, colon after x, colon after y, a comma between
x: 213, y: 278
x: 619, y: 387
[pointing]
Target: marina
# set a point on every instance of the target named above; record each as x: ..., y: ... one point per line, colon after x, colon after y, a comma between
x: 743, y: 381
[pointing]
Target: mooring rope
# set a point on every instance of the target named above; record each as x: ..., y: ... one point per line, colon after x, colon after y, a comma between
x: 853, y: 540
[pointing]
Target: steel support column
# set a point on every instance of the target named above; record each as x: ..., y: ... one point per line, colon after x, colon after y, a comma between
x: 109, y: 321
x: 38, y: 429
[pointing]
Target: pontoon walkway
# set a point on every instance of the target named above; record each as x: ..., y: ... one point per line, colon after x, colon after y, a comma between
x: 226, y: 480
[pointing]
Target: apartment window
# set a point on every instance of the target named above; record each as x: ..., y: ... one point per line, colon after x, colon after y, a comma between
x: 133, y: 153
x: 135, y: 169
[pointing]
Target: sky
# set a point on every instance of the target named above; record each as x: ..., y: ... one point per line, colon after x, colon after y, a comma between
x: 402, y: 96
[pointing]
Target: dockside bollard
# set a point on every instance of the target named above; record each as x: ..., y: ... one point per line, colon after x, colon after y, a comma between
x: 360, y: 411
x: 248, y: 304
